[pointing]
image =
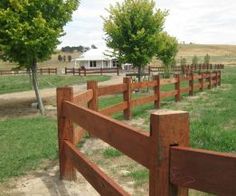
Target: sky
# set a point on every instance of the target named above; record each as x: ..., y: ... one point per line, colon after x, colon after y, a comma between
x: 196, y: 21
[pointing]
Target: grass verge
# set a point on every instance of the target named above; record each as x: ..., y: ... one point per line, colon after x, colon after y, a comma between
x: 24, y: 143
x: 9, y: 84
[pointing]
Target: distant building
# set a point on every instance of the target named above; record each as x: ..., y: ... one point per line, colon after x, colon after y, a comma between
x: 95, y: 58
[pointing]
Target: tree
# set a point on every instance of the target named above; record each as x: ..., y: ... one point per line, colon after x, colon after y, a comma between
x: 59, y: 58
x: 183, y: 61
x: 64, y: 58
x: 132, y: 30
x: 207, y: 59
x: 69, y: 57
x: 167, y: 50
x: 93, y: 46
x: 195, y: 60
x: 30, y: 30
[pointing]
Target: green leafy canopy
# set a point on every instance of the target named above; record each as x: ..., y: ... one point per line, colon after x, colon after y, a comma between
x: 168, y: 48
x: 30, y: 28
x: 132, y: 30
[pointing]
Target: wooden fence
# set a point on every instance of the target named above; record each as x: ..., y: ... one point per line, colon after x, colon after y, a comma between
x: 173, y: 165
x: 85, y: 72
x: 187, y: 69
x: 41, y: 71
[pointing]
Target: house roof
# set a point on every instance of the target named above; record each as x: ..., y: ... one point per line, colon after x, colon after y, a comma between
x: 94, y: 55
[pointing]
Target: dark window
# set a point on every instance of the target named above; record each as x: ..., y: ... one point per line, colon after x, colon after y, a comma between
x: 93, y: 64
x: 114, y: 63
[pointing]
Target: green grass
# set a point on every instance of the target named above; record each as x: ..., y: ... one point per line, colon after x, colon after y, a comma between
x: 9, y: 84
x: 24, y: 143
x: 212, y: 113
x: 139, y: 176
x: 111, y: 153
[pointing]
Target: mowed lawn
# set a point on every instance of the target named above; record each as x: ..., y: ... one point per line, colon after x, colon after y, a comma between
x: 18, y: 83
x: 25, y: 143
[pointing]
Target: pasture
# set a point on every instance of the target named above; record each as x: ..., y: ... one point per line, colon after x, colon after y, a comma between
x: 212, y: 120
x: 18, y: 83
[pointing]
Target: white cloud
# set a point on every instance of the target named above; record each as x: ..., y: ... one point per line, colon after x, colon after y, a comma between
x: 211, y: 21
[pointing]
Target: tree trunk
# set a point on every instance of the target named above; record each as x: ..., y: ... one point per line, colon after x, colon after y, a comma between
x: 30, y: 77
x: 36, y: 89
x: 139, y: 73
x: 167, y: 71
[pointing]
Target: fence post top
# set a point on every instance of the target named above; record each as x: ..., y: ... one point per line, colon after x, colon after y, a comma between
x: 65, y: 88
x: 168, y: 112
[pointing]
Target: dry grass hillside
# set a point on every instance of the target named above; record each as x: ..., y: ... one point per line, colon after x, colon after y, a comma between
x: 225, y: 54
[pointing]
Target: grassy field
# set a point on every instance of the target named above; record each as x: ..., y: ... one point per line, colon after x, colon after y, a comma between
x: 19, y: 83
x: 212, y: 127
x: 25, y: 143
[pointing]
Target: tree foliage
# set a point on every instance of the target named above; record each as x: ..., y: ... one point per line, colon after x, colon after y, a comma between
x: 72, y: 49
x: 132, y: 30
x: 168, y: 48
x: 195, y: 60
x: 183, y: 61
x: 30, y: 30
x: 207, y: 59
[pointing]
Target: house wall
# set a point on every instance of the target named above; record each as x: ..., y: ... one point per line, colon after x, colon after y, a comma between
x: 99, y: 64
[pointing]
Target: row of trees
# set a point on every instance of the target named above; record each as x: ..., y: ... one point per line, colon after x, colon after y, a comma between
x: 81, y: 49
x: 30, y: 32
x: 64, y: 58
x: 196, y: 60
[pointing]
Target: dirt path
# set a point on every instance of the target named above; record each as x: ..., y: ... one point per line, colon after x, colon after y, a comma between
x: 19, y: 103
x: 45, y: 181
x: 29, y: 96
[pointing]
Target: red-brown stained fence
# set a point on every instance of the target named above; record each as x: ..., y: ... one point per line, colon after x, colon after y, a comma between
x: 173, y: 166
x: 42, y: 71
x: 85, y: 72
x: 187, y: 69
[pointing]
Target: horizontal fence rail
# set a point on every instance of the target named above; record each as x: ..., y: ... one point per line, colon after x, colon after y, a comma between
x: 173, y: 165
x: 203, y: 170
x: 85, y: 72
x: 41, y: 71
x: 187, y: 69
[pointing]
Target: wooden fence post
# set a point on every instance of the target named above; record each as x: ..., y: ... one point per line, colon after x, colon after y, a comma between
x: 157, y: 92
x: 101, y: 71
x: 93, y: 104
x: 149, y: 70
x: 168, y: 128
x: 65, y: 132
x: 177, y: 88
x: 215, y: 78
x: 85, y: 73
x: 191, y: 84
x: 118, y: 71
x: 210, y: 80
x: 219, y: 84
x: 201, y: 80
x: 127, y: 98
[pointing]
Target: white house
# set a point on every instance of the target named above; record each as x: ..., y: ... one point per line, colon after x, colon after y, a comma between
x: 95, y: 58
